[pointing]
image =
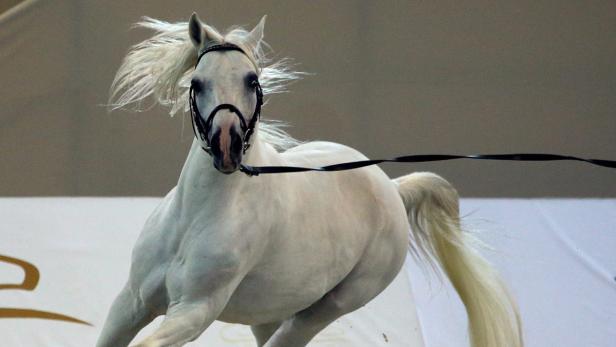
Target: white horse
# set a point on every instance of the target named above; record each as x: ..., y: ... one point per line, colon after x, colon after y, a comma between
x: 286, y: 254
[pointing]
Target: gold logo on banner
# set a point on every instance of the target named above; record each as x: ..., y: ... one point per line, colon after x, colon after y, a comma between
x: 31, y: 278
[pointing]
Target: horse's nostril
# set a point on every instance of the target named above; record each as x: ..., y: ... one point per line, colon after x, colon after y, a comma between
x: 215, y: 144
x: 236, y: 142
x: 227, y: 149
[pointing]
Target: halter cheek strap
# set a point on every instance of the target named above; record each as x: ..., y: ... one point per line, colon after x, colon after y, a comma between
x: 201, y: 128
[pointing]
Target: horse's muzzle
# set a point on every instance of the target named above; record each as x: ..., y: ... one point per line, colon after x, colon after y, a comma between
x: 226, y: 147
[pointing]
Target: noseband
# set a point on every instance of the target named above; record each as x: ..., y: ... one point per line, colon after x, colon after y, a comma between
x: 202, y: 128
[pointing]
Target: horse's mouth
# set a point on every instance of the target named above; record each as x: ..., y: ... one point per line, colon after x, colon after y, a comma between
x: 226, y: 169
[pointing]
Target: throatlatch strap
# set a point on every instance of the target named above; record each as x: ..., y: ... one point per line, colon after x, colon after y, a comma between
x: 257, y: 170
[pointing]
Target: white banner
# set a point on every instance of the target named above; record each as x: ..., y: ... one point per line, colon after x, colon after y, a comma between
x: 80, y: 250
x: 556, y: 255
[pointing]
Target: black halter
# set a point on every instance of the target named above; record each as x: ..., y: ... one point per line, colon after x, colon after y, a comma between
x: 203, y: 128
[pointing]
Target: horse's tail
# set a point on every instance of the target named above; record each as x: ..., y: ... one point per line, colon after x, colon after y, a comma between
x: 432, y: 206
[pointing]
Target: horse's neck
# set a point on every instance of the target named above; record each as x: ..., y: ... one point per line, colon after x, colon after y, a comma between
x: 202, y: 186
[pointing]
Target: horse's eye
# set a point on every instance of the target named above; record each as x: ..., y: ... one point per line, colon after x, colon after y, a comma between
x: 252, y: 80
x: 196, y: 85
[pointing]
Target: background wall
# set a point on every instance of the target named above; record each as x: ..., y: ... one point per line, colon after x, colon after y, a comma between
x: 390, y: 78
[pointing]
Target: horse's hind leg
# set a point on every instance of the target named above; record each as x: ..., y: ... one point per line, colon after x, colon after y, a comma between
x: 298, y: 330
x: 263, y: 332
x: 348, y: 296
x: 126, y: 317
x: 380, y: 264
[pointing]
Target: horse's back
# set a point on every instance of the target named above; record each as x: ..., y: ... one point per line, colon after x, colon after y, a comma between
x: 368, y: 190
x: 324, y: 152
x: 369, y: 185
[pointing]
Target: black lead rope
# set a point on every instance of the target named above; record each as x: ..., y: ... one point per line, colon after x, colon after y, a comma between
x: 257, y: 170
x: 201, y: 129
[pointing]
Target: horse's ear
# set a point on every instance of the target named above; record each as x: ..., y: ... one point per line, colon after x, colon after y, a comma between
x: 201, y: 34
x: 256, y: 35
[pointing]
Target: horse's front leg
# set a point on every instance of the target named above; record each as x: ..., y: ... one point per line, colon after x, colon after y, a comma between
x: 126, y: 317
x: 199, y: 290
x: 184, y: 323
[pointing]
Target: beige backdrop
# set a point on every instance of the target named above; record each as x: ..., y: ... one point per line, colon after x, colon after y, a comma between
x: 390, y: 78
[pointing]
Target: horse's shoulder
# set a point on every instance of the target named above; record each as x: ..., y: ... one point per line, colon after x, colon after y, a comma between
x: 158, y: 227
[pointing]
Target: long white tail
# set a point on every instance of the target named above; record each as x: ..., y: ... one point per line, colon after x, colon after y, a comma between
x: 433, y: 210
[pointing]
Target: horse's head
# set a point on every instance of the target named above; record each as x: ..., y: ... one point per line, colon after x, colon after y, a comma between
x: 220, y: 78
x: 225, y: 92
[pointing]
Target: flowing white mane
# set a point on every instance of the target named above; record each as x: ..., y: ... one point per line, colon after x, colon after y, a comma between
x: 160, y: 67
